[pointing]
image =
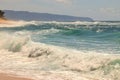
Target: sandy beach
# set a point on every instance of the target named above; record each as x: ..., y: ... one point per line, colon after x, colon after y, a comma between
x: 11, y: 23
x: 4, y: 76
x: 3, y: 21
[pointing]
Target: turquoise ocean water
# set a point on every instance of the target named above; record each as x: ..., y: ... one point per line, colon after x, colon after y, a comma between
x: 102, y: 37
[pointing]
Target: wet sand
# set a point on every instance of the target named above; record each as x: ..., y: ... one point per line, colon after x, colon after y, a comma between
x: 4, y: 76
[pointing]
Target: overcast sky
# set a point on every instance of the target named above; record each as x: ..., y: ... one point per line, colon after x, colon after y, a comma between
x: 96, y: 9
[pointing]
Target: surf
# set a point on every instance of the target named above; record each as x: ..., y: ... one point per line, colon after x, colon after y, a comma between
x: 74, y: 35
x: 61, y: 48
x: 21, y: 55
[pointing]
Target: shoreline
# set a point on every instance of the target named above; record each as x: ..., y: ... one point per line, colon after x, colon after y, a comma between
x: 7, y: 76
x: 10, y: 23
x: 7, y: 22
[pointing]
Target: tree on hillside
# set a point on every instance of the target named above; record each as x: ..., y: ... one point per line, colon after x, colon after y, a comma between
x: 1, y: 14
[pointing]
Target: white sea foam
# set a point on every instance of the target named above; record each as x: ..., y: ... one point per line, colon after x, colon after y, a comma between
x: 24, y: 23
x: 78, y: 23
x: 20, y: 55
x: 49, y: 31
x: 53, y: 62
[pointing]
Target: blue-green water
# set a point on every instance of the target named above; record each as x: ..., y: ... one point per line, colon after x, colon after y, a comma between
x: 101, y: 37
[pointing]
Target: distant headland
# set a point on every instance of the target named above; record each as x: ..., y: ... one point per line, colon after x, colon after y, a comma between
x: 30, y: 16
x: 4, y: 20
x: 2, y: 15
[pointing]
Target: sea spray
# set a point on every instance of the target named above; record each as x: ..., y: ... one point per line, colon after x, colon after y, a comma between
x: 61, y: 50
x: 12, y: 43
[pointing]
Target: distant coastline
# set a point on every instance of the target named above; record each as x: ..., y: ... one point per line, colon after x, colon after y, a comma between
x: 30, y: 16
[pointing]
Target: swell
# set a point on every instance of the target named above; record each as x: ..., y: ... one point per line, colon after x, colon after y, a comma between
x: 74, y: 34
x: 19, y: 54
x: 68, y: 29
x: 33, y: 25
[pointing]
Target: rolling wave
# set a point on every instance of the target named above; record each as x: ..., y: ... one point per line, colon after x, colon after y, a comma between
x: 77, y: 35
x: 68, y: 26
x: 65, y: 50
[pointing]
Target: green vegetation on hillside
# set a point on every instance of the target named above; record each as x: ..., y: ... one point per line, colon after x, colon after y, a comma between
x: 2, y: 14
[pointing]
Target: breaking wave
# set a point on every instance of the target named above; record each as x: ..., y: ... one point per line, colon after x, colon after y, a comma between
x: 61, y: 50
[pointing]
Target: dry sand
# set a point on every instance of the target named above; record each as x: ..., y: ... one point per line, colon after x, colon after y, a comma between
x: 2, y: 21
x: 10, y: 23
x: 4, y: 76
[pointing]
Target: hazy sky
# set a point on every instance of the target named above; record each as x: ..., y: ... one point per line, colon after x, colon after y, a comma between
x: 96, y: 9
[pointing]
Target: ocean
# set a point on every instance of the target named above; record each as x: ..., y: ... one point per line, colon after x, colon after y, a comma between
x: 64, y: 47
x: 101, y: 37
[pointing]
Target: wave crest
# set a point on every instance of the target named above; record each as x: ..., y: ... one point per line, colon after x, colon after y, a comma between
x: 12, y: 43
x: 24, y: 23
